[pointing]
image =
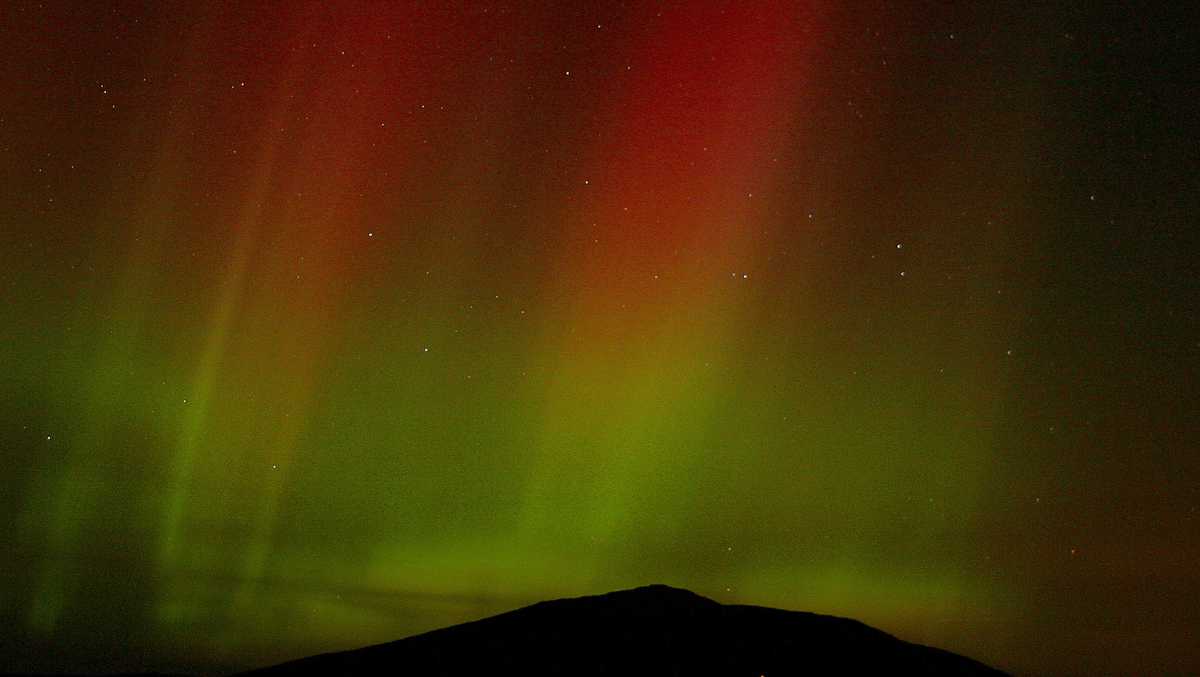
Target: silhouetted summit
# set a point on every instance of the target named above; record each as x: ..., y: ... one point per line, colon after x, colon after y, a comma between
x: 653, y: 630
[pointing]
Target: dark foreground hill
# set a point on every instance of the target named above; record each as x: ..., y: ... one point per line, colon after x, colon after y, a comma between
x: 655, y: 630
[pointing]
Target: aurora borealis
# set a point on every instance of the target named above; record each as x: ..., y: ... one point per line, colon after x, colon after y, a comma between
x: 323, y: 324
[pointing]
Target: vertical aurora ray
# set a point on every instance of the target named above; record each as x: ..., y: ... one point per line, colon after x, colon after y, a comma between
x: 69, y: 501
x: 324, y: 323
x: 654, y: 251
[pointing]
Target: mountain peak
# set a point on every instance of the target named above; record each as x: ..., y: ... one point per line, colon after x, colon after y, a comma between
x: 658, y: 591
x: 652, y: 629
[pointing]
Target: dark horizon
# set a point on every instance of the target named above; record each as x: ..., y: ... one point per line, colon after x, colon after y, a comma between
x: 652, y: 629
x: 323, y: 324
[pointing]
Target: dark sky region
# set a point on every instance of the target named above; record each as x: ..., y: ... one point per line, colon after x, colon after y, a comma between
x: 322, y: 324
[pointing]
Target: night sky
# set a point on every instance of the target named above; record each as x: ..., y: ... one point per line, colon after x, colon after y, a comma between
x: 325, y: 325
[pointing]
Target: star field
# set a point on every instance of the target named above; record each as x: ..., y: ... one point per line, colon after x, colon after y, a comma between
x: 324, y: 324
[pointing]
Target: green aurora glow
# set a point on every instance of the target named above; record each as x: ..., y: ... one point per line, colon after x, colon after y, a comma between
x: 322, y: 327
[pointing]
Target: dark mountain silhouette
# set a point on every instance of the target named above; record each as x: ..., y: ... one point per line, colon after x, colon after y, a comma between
x: 654, y: 630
